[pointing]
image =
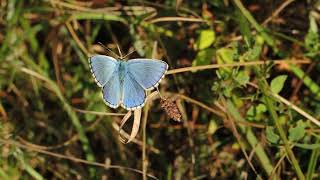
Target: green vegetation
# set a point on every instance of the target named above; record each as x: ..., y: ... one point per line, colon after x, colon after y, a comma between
x: 244, y: 76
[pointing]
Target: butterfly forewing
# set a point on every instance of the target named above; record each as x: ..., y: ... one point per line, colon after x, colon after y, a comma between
x: 102, y: 68
x: 147, y: 72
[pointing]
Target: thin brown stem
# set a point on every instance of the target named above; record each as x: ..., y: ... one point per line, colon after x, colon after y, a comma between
x: 252, y: 63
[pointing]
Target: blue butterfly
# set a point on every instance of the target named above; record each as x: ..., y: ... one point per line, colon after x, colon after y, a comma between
x: 124, y: 82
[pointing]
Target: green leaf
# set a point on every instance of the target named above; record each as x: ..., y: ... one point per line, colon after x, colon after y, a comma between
x: 255, y: 112
x: 312, y: 39
x: 307, y: 146
x: 205, y: 39
x: 226, y: 56
x: 271, y: 136
x: 227, y: 91
x: 203, y: 57
x: 253, y: 53
x: 242, y: 78
x: 212, y: 128
x: 307, y: 81
x: 277, y: 83
x: 297, y: 133
x: 244, y: 26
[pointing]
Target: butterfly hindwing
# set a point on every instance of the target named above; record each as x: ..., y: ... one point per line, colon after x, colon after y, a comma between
x: 112, y: 91
x: 102, y: 68
x: 147, y: 72
x: 133, y: 94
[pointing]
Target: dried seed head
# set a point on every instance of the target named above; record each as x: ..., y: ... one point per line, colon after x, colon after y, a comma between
x: 171, y: 109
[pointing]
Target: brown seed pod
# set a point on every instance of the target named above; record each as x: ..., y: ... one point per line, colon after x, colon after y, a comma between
x: 171, y: 108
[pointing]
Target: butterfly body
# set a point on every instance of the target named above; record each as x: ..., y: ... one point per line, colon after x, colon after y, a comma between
x: 122, y: 69
x: 124, y: 82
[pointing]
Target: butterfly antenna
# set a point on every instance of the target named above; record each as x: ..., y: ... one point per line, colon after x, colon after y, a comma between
x: 116, y: 55
x: 121, y: 57
x: 129, y: 54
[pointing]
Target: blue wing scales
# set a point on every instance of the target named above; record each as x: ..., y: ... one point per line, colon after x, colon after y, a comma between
x: 147, y: 72
x: 134, y: 95
x: 111, y: 91
x: 102, y: 68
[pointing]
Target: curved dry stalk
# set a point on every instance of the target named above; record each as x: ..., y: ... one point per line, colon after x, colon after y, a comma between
x: 277, y: 11
x: 276, y: 167
x: 166, y: 19
x: 144, y: 140
x: 218, y: 113
x: 215, y: 66
x: 130, y: 10
x: 123, y: 121
x: 230, y: 116
x: 135, y: 140
x: 136, y: 121
x: 297, y: 109
x: 35, y: 74
x: 98, y: 113
x: 136, y: 124
x: 77, y: 39
x: 135, y: 127
x: 186, y: 98
x: 67, y: 142
x: 71, y: 158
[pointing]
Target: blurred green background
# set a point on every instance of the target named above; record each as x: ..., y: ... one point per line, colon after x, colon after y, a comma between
x: 254, y: 118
